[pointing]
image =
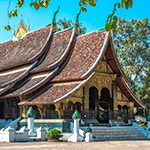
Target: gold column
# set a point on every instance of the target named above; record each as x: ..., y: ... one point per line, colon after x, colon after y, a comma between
x: 59, y: 109
x: 115, y: 99
x: 86, y: 97
x: 42, y: 110
x: 24, y: 114
x: 131, y: 109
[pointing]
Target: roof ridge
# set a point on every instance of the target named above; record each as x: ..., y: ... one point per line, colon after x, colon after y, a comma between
x: 26, y: 34
x: 90, y: 33
x: 69, y: 28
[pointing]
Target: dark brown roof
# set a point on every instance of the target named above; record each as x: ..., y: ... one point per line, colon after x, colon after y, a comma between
x: 52, y: 93
x: 9, y: 77
x: 85, y: 52
x: 83, y: 55
x: 17, y: 52
x: 31, y: 81
x: 58, y: 45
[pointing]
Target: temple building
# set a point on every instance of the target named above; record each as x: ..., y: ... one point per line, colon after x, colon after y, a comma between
x: 59, y: 72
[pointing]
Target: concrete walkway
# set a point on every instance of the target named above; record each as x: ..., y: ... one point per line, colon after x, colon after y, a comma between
x: 106, y: 145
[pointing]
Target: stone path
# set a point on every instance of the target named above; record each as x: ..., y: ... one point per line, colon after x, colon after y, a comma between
x: 105, y: 145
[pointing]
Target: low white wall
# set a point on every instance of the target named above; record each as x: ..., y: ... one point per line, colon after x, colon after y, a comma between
x: 10, y: 135
x: 2, y: 136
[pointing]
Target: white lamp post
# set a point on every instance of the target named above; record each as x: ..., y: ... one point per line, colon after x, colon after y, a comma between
x: 76, y: 137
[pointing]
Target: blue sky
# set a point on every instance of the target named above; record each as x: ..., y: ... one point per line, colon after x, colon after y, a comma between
x: 93, y: 19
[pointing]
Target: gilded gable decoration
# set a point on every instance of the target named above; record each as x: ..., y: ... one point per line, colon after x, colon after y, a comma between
x: 22, y: 30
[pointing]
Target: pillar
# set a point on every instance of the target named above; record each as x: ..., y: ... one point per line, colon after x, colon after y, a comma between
x: 86, y: 97
x: 24, y: 114
x: 131, y: 110
x: 115, y: 99
x: 59, y: 109
x: 88, y: 135
x: 76, y: 137
x: 30, y: 116
x: 42, y: 110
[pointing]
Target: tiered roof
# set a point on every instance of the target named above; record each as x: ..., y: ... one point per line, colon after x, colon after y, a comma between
x: 52, y: 66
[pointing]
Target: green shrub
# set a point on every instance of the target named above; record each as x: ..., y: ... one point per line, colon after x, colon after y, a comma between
x: 54, y: 134
x: 119, y: 118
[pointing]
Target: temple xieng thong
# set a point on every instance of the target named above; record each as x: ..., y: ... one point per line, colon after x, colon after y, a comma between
x: 59, y: 72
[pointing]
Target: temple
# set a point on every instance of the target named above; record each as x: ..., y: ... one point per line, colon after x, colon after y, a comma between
x: 59, y: 72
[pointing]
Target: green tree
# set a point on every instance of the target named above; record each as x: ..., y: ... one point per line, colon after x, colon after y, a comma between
x: 143, y: 91
x: 132, y: 43
x: 63, y: 24
x: 111, y: 21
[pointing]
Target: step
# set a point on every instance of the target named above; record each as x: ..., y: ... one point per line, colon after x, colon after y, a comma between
x: 112, y: 130
x: 101, y: 134
x: 121, y: 138
x: 108, y: 128
x: 115, y: 135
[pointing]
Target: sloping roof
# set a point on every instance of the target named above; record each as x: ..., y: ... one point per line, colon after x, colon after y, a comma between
x: 51, y: 93
x: 13, y: 53
x: 83, y: 55
x: 70, y: 61
x: 26, y: 84
x: 9, y: 77
x: 57, y: 47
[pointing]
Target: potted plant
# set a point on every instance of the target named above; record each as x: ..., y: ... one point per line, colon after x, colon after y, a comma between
x: 53, y: 135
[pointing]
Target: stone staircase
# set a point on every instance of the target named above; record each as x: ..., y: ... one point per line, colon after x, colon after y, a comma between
x: 116, y: 133
x: 3, y: 123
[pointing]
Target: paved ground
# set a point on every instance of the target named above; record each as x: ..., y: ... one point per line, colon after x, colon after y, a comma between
x: 106, y: 145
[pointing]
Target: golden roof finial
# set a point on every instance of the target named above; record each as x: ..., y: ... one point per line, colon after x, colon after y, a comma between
x: 22, y: 29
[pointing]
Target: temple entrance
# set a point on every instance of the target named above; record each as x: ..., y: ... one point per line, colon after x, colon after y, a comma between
x: 93, y: 97
x: 1, y: 110
x: 104, y: 106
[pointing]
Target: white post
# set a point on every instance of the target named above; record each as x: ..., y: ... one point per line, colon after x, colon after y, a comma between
x: 89, y: 135
x: 31, y: 125
x: 76, y: 137
x: 76, y: 127
x: 41, y: 133
x: 30, y: 116
x: 9, y: 134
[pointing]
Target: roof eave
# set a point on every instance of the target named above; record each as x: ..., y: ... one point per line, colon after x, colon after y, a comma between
x: 115, y: 56
x: 131, y: 93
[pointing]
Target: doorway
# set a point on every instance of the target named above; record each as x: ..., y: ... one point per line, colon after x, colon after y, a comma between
x: 104, y: 106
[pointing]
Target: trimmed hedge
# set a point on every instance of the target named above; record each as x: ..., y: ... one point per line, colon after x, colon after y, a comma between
x: 54, y: 134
